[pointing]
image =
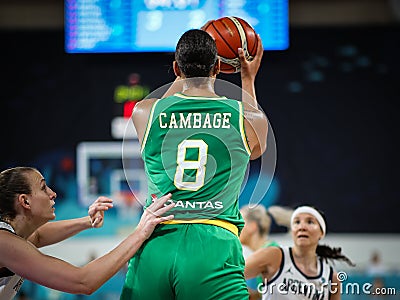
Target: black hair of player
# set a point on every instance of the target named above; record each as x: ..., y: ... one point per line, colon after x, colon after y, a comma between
x: 196, y: 53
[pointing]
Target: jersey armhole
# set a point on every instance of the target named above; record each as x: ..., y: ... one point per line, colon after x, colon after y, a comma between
x: 330, y: 280
x: 278, y: 273
x: 242, y: 129
x: 148, y: 126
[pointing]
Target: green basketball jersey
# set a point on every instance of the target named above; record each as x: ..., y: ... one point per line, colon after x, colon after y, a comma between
x: 196, y: 149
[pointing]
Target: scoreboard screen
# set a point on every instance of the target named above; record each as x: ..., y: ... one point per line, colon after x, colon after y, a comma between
x: 108, y: 26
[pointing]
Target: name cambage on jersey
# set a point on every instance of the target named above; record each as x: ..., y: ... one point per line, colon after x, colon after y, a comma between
x: 290, y: 282
x: 196, y: 149
x: 195, y: 120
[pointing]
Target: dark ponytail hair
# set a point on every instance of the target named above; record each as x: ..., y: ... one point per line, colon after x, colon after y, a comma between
x: 327, y: 252
x: 13, y: 182
x: 196, y: 53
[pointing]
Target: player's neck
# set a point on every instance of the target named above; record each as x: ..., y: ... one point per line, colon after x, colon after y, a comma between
x: 23, y: 227
x: 305, y: 256
x: 199, y: 92
x: 202, y: 86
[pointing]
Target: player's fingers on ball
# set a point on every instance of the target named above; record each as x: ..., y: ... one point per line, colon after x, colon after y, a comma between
x: 241, y: 55
x: 260, y: 48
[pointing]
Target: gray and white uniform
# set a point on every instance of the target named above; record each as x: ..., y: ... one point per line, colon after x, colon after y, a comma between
x: 289, y: 282
x: 10, y: 283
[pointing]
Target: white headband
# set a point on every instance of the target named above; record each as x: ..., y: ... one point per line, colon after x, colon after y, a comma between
x: 311, y: 211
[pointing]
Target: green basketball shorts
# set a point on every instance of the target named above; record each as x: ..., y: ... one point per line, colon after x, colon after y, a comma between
x: 187, y: 262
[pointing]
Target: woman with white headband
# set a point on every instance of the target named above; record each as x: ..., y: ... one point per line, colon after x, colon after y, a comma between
x: 301, y: 271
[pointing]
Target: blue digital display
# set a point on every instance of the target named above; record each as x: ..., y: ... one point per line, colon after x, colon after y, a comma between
x: 107, y: 26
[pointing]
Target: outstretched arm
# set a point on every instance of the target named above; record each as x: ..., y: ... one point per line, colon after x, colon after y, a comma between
x: 27, y: 261
x: 265, y: 261
x: 256, y: 123
x: 54, y: 232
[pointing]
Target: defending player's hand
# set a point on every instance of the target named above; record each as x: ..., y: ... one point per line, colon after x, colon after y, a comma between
x: 96, y: 210
x: 153, y: 215
x: 249, y: 69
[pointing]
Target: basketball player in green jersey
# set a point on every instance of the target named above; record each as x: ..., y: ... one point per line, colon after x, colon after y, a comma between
x: 197, y: 145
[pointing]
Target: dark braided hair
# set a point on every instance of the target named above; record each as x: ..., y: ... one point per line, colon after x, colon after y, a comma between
x: 196, y: 53
x: 12, y: 183
x: 327, y: 252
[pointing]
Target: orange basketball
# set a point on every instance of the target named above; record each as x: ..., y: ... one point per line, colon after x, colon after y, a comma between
x: 231, y: 33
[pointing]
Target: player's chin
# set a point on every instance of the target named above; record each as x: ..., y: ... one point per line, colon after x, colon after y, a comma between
x: 301, y: 241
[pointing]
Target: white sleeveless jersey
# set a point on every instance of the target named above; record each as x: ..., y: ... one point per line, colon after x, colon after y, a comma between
x: 10, y: 283
x: 291, y: 283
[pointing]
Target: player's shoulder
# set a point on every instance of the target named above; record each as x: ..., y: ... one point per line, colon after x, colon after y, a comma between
x: 143, y: 107
x: 4, y: 233
x: 9, y: 241
x: 9, y: 238
x: 6, y: 226
x: 146, y: 103
x: 270, y: 251
x: 273, y: 249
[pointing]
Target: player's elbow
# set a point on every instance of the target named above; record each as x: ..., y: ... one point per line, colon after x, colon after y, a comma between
x: 257, y: 132
x: 86, y: 285
x: 248, y: 274
x: 257, y: 151
x: 86, y: 289
x: 89, y: 291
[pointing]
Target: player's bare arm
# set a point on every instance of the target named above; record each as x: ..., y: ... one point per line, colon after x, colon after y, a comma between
x: 256, y: 123
x: 54, y: 232
x: 264, y: 261
x: 26, y: 260
x: 140, y: 116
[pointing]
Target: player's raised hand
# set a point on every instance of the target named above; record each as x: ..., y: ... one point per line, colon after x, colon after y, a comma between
x: 249, y: 69
x: 96, y: 210
x: 153, y: 215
